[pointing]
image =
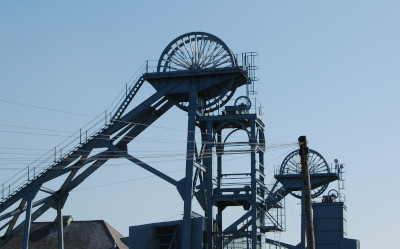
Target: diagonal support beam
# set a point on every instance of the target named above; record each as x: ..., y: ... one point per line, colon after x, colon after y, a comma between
x: 20, y: 209
x: 144, y: 165
x: 233, y: 226
x: 16, y: 216
x: 48, y: 191
x: 285, y: 245
x: 77, y: 166
x: 34, y: 216
x: 144, y: 121
x: 85, y: 174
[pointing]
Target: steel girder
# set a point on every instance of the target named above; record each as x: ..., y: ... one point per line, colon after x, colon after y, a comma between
x: 113, y: 138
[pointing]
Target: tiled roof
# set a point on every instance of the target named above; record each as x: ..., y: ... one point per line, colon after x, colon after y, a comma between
x: 78, y: 235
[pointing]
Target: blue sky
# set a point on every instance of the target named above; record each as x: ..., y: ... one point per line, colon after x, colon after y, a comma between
x: 328, y: 70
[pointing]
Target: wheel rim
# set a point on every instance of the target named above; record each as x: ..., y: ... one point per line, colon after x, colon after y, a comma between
x: 333, y: 193
x: 243, y: 101
x: 200, y: 51
x: 317, y: 165
x: 195, y: 51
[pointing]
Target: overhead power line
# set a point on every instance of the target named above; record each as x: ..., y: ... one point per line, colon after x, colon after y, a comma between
x: 46, y: 108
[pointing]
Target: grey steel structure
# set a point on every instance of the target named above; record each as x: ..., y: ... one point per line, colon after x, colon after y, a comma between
x: 199, y: 74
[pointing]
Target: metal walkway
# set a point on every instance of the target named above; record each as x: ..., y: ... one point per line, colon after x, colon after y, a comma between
x: 196, y: 72
x: 110, y: 133
x: 199, y: 74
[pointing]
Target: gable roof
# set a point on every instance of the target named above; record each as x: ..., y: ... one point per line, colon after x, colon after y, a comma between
x: 95, y: 234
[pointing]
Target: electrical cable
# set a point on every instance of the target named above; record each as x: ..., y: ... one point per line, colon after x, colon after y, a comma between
x: 125, y: 138
x: 168, y: 154
x: 46, y: 108
x: 126, y: 122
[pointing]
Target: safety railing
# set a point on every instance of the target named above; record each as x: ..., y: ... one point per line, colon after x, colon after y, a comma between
x: 151, y: 66
x: 249, y: 62
x: 327, y: 197
x: 70, y: 145
x: 235, y: 182
x: 331, y: 168
x: 275, y: 215
x: 233, y: 107
x: 276, y: 245
x: 242, y: 243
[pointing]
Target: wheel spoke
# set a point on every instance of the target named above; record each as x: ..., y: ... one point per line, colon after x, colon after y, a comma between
x: 199, y: 51
x: 187, y: 51
x: 195, y: 51
x: 222, y: 63
x: 183, y: 56
x: 317, y: 165
x: 210, y: 57
x: 207, y: 54
x: 179, y: 61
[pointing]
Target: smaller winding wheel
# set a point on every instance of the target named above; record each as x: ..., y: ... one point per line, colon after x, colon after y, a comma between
x: 243, y: 104
x: 316, y: 163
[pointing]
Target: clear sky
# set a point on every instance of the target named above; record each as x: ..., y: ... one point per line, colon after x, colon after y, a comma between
x: 328, y: 70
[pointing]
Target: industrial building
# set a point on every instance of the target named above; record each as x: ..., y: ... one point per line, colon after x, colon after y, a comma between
x: 94, y: 234
x: 200, y: 75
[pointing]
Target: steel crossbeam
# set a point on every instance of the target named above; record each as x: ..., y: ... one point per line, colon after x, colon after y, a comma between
x: 112, y: 137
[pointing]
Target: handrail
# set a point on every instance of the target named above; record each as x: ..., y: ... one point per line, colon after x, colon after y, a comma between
x: 72, y: 143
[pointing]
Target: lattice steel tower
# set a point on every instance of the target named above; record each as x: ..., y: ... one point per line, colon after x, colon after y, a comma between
x: 198, y: 73
x: 209, y: 74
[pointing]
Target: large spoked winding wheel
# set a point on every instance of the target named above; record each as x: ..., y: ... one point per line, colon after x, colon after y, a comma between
x: 200, y: 51
x: 193, y: 51
x: 316, y: 163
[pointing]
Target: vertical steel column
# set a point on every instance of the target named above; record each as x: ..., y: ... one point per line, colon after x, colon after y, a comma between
x: 253, y: 142
x: 219, y: 158
x: 28, y: 219
x: 261, y: 168
x: 209, y: 188
x: 188, y: 187
x: 219, y: 176
x: 60, y: 226
x: 220, y: 230
x: 27, y: 227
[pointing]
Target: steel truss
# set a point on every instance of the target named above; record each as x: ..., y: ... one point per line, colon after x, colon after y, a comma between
x: 199, y: 74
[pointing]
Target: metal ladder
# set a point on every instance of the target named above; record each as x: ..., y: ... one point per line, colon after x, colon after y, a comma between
x: 129, y: 96
x: 22, y: 178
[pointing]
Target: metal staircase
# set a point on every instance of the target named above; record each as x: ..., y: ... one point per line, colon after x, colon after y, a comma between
x: 198, y: 73
x: 130, y: 94
x: 77, y: 158
x: 70, y: 146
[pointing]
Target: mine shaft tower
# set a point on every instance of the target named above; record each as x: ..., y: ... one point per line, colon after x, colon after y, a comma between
x: 208, y: 74
x: 199, y: 74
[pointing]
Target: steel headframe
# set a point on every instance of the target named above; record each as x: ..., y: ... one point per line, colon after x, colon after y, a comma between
x: 200, y: 88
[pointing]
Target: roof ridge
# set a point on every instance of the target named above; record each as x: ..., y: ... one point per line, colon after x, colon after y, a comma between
x: 115, y: 235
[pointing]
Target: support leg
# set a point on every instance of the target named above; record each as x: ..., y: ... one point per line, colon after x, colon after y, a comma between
x: 187, y: 210
x: 253, y: 187
x: 209, y: 211
x: 28, y: 219
x: 60, y: 226
x: 219, y: 223
x: 27, y: 227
